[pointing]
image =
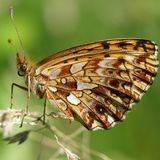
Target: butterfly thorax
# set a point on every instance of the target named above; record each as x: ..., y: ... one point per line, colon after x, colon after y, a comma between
x: 38, y: 86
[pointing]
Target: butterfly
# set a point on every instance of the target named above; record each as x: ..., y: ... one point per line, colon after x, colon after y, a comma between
x: 95, y: 83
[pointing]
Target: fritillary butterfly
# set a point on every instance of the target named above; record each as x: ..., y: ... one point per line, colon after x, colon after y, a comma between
x: 95, y: 83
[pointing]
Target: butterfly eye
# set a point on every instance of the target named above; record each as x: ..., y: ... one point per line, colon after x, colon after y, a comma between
x: 22, y: 70
x: 24, y: 67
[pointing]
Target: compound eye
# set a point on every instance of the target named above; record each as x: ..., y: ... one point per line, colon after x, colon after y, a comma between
x: 22, y: 70
x: 24, y: 67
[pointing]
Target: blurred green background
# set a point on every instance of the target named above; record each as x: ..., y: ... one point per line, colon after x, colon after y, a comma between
x: 48, y: 26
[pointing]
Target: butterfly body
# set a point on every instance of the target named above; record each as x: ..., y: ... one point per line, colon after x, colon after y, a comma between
x: 95, y: 83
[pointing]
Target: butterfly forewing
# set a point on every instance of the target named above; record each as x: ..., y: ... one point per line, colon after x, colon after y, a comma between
x: 98, y: 82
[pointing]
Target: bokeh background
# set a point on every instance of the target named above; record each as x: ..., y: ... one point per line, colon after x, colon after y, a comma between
x: 48, y: 26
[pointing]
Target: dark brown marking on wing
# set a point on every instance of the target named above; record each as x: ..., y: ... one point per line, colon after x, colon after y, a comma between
x: 100, y: 108
x: 65, y: 61
x: 105, y: 45
x: 114, y: 83
x: 90, y: 49
x: 118, y: 63
x: 123, y: 45
x: 141, y: 44
x: 65, y: 70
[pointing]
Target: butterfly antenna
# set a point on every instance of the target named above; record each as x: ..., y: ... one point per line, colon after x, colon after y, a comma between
x: 11, y: 13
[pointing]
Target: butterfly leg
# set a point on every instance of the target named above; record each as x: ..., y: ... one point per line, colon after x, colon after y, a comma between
x: 44, y: 110
x: 12, y: 88
x: 11, y: 105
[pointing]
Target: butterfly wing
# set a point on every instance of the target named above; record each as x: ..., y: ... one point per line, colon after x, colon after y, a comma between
x: 98, y: 82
